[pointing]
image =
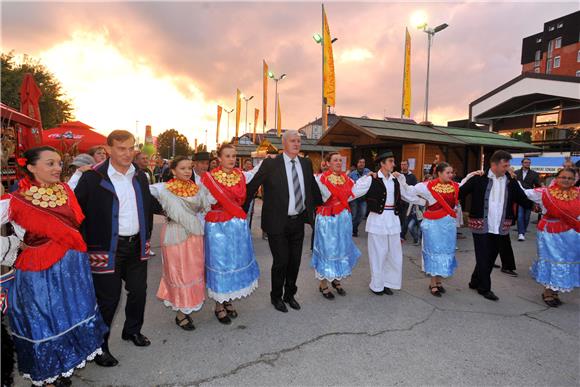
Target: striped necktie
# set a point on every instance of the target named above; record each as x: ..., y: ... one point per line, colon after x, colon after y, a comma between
x: 299, y: 202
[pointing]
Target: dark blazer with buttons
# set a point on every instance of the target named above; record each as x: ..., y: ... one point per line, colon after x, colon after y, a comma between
x: 532, y: 179
x: 272, y: 175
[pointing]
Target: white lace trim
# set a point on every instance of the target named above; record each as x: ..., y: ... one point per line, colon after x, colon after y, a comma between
x: 321, y: 277
x: 437, y: 275
x: 223, y: 297
x: 556, y: 289
x: 66, y: 374
x: 182, y: 310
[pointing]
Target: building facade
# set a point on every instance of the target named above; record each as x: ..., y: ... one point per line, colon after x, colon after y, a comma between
x: 555, y: 50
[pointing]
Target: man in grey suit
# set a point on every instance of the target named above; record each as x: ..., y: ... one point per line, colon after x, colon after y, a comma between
x: 529, y: 179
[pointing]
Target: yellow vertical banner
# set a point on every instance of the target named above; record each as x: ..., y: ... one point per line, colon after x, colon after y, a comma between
x: 265, y: 96
x: 238, y: 111
x: 279, y: 123
x: 217, y: 131
x: 256, y: 116
x: 329, y: 82
x: 406, y: 105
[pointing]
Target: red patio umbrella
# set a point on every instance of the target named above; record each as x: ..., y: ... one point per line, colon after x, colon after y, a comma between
x: 69, y: 134
x: 29, y: 95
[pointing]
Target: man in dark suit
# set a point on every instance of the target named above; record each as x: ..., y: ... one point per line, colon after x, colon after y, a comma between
x: 493, y: 195
x: 290, y: 197
x: 529, y: 179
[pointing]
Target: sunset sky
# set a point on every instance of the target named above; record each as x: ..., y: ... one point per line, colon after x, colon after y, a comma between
x: 169, y: 64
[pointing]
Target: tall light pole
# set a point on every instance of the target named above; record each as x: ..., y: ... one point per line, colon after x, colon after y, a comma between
x: 247, y: 99
x: 430, y: 33
x: 272, y: 76
x: 228, y: 131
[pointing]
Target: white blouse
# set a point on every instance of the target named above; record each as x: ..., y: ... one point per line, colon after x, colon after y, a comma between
x: 360, y: 188
x: 9, y: 245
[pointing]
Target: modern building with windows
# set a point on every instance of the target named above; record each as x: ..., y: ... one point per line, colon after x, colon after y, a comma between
x: 555, y: 50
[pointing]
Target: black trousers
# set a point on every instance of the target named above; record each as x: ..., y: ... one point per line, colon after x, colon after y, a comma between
x: 129, y: 268
x: 506, y: 253
x: 487, y: 247
x: 286, y: 250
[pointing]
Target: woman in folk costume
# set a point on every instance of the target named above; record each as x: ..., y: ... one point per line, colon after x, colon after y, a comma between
x: 335, y: 254
x: 231, y: 268
x: 558, y: 265
x: 53, y: 313
x: 439, y: 225
x: 182, y: 285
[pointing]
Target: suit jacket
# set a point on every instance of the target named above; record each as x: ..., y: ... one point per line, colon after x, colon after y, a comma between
x: 272, y: 175
x: 532, y: 179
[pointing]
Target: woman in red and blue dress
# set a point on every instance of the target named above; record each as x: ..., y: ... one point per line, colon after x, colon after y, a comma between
x: 335, y: 254
x: 231, y: 268
x: 439, y: 225
x: 53, y: 313
x: 558, y: 265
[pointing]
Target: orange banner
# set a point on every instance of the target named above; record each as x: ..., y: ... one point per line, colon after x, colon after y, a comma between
x: 265, y: 96
x: 329, y: 82
x: 406, y: 107
x: 238, y: 111
x: 256, y: 116
x: 217, y: 131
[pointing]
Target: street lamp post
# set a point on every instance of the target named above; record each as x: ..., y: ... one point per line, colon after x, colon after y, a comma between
x: 247, y: 99
x: 272, y: 76
x: 228, y: 131
x: 430, y: 33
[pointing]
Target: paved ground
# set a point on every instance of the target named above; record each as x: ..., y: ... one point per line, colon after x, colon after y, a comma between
x: 410, y: 338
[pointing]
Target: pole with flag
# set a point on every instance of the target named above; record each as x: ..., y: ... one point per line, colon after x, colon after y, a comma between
x: 238, y: 111
x: 265, y: 95
x: 328, y: 80
x: 256, y: 116
x: 406, y: 100
x: 279, y: 119
x: 217, y: 132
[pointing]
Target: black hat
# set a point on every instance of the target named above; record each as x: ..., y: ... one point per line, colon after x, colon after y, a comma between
x: 201, y: 156
x: 385, y: 155
x: 272, y: 152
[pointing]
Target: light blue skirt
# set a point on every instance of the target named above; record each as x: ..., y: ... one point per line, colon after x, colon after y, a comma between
x: 558, y: 263
x: 439, y: 242
x: 231, y: 269
x: 335, y: 254
x: 54, y: 319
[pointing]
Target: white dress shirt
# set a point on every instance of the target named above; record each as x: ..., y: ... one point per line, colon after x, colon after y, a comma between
x: 128, y: 213
x: 524, y: 173
x: 496, y: 202
x: 197, y: 178
x: 292, y: 199
x: 387, y: 223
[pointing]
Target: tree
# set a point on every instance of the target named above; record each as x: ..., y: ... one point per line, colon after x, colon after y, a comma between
x: 55, y: 108
x: 201, y: 148
x: 165, y: 144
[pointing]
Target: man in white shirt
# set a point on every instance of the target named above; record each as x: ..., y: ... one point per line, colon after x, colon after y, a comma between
x: 493, y: 196
x: 384, y: 201
x: 118, y: 209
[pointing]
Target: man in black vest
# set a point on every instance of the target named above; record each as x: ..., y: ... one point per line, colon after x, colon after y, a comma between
x: 290, y: 197
x: 384, y: 201
x: 529, y: 179
x: 493, y: 195
x: 118, y: 208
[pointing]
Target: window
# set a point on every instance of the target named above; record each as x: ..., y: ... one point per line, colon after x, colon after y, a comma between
x: 549, y: 66
x: 578, y: 73
x: 537, y: 70
x: 538, y: 56
x: 556, y: 62
x: 551, y: 28
x: 560, y: 25
x: 558, y: 42
x: 578, y: 56
x: 538, y: 40
x: 548, y: 119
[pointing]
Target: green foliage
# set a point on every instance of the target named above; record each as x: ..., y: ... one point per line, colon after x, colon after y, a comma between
x: 165, y: 144
x: 55, y: 108
x: 201, y: 148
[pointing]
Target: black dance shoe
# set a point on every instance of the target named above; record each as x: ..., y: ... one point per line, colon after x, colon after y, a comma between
x: 279, y: 305
x: 378, y: 293
x: 489, y: 295
x: 291, y: 301
x: 326, y: 294
x: 137, y: 338
x: 106, y: 359
x: 509, y: 272
x: 339, y: 289
x: 388, y: 291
